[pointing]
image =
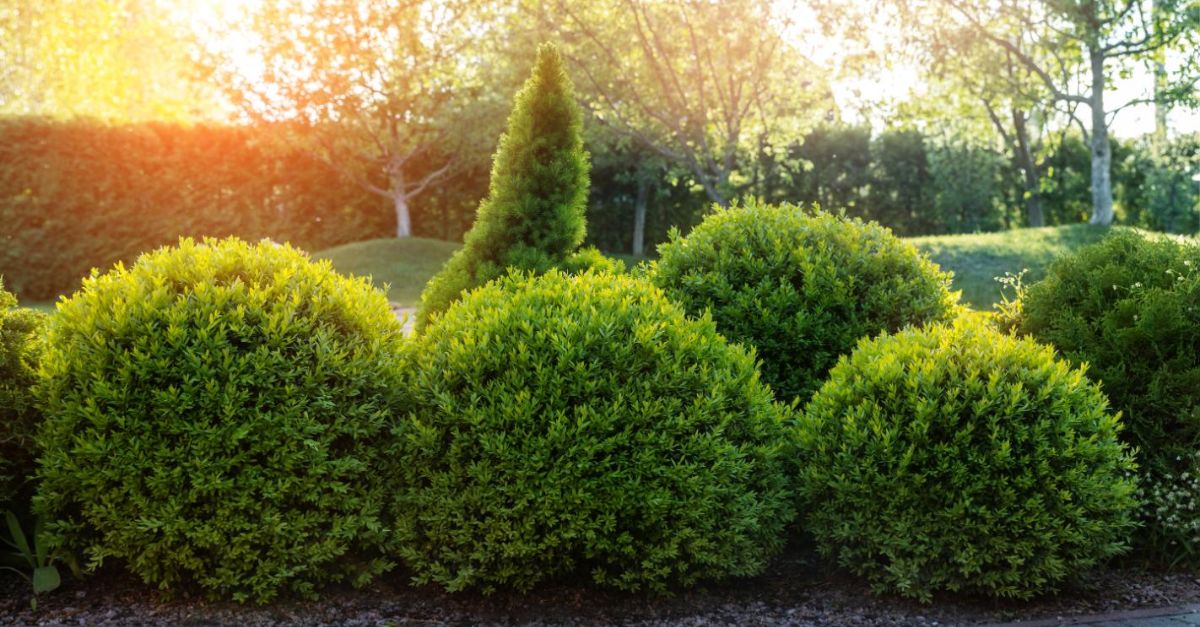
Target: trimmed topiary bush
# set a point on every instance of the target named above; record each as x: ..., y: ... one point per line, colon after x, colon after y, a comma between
x: 533, y: 216
x: 583, y: 425
x: 212, y: 418
x: 959, y: 458
x: 1129, y: 307
x: 19, y: 416
x: 800, y: 286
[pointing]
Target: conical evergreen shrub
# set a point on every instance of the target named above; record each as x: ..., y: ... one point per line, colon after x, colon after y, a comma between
x: 533, y: 216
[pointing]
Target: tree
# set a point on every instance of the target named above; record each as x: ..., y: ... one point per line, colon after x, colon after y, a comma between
x: 698, y: 82
x: 1075, y: 48
x: 385, y: 75
x: 112, y: 59
x: 533, y: 217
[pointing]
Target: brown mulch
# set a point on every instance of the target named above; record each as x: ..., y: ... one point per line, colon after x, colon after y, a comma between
x: 798, y: 590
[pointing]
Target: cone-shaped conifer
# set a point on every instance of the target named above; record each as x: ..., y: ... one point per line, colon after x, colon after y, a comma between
x: 533, y: 216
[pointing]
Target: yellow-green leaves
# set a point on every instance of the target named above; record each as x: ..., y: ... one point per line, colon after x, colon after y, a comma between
x: 959, y: 458
x: 213, y: 419
x: 583, y: 425
x: 800, y: 286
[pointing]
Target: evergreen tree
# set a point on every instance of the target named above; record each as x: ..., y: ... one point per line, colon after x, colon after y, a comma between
x: 533, y: 216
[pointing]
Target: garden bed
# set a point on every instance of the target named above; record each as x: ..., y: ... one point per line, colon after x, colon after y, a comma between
x: 798, y: 590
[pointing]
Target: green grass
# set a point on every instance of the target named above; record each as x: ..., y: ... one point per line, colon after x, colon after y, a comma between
x: 977, y: 259
x: 44, y: 307
x: 405, y: 265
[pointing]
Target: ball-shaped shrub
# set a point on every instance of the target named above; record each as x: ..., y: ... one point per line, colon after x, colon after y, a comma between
x: 960, y: 458
x: 800, y: 286
x: 212, y: 416
x: 1129, y: 307
x: 584, y: 426
x: 19, y: 416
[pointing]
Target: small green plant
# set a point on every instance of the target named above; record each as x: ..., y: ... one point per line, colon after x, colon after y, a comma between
x: 213, y: 418
x: 533, y: 217
x: 959, y: 458
x: 801, y: 286
x: 583, y: 425
x: 20, y: 331
x: 32, y: 559
x: 1171, y: 507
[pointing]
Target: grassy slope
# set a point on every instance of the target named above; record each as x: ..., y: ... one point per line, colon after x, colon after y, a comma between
x: 406, y: 265
x: 977, y: 259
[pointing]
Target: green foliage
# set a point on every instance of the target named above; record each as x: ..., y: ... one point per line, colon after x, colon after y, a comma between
x: 967, y: 195
x: 533, y: 217
x: 583, y: 425
x: 1162, y: 192
x: 82, y: 194
x: 959, y: 458
x: 213, y: 416
x: 32, y: 559
x: 800, y: 286
x: 19, y: 416
x: 1170, y: 500
x: 1129, y: 306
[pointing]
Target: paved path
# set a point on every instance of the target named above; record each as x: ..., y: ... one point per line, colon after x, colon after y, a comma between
x: 1154, y: 617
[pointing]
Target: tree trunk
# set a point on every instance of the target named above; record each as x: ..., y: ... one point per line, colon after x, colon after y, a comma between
x: 400, y: 203
x: 1102, y: 199
x: 1033, y: 191
x: 639, y: 215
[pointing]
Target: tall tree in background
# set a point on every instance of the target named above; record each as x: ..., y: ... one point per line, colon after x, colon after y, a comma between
x: 389, y: 75
x: 700, y: 83
x: 533, y: 217
x: 1075, y: 49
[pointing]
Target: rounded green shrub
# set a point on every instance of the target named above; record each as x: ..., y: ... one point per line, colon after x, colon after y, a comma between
x: 213, y: 415
x: 584, y: 426
x: 19, y: 416
x: 800, y: 286
x: 1129, y: 307
x: 958, y: 458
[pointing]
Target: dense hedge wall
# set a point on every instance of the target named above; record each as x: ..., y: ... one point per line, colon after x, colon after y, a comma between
x: 77, y: 195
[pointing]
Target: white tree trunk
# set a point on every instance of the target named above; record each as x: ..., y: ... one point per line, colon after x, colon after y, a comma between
x: 403, y: 219
x: 1102, y: 199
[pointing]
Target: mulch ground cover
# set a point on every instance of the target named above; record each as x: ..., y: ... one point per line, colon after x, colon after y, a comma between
x: 798, y: 590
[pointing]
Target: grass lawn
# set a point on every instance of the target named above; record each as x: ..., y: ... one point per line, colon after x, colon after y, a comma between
x: 402, y: 265
x: 977, y: 259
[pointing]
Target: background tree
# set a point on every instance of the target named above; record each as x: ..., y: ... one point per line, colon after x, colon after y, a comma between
x: 700, y: 83
x: 533, y: 217
x: 387, y: 75
x: 1075, y: 49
